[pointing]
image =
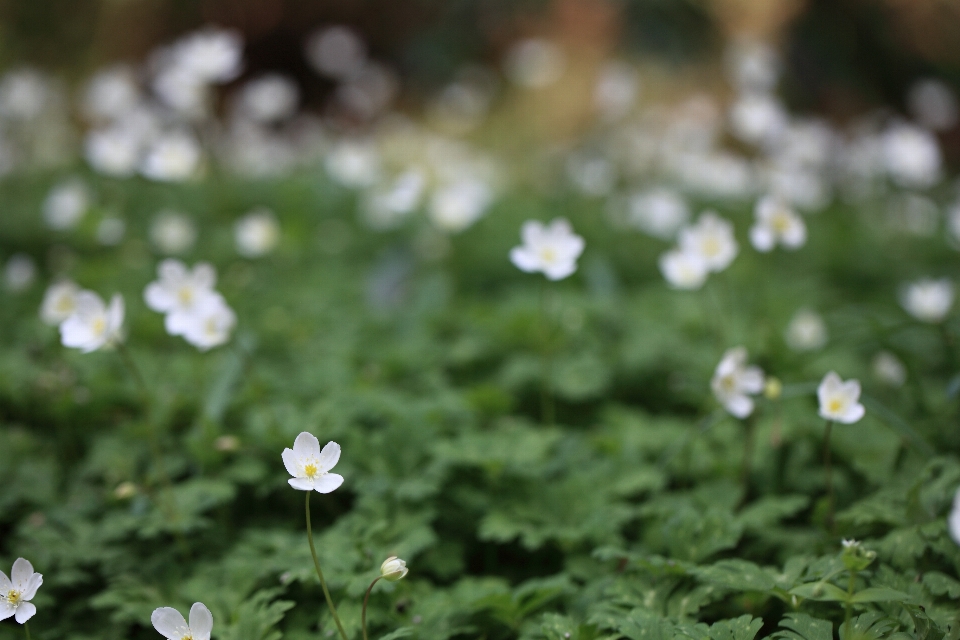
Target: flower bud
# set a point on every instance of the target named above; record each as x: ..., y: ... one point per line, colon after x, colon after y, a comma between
x: 772, y: 388
x: 393, y: 569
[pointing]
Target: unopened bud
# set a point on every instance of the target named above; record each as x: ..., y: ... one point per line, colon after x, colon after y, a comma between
x: 772, y: 388
x: 393, y: 569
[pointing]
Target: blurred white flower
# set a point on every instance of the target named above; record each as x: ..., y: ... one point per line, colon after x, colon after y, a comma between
x: 113, y: 151
x: 19, y: 272
x: 616, y: 90
x: 659, y: 211
x: 456, y: 206
x: 172, y: 158
x: 758, y: 119
x: 257, y: 233
x: 369, y: 93
x: 714, y: 174
x: 462, y: 104
x: 110, y: 231
x: 888, y: 369
x: 59, y: 302
x: 928, y: 300
x: 386, y: 206
x: 24, y: 94
x: 593, y: 175
x: 172, y: 232
x: 953, y: 520
x: 181, y: 90
x: 753, y: 66
x: 269, y: 98
x: 712, y: 239
x: 336, y: 52
x: 310, y: 467
x: 170, y: 623
x: 933, y: 104
x: 734, y: 382
x: 179, y: 291
x: 18, y: 590
x: 551, y: 249
x: 839, y: 400
x: 953, y: 223
x: 776, y: 223
x: 111, y: 93
x: 354, y: 164
x: 534, y: 63
x: 911, y: 155
x: 393, y: 569
x: 209, y: 325
x: 806, y: 331
x: 683, y: 269
x: 66, y: 204
x: 93, y: 324
x: 211, y: 55
x: 802, y: 187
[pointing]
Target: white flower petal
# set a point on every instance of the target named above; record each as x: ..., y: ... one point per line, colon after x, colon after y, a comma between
x: 25, y: 611
x: 32, y: 585
x: 852, y: 414
x: 158, y: 297
x: 307, y: 447
x: 303, y: 484
x: 559, y: 271
x: 169, y: 623
x: 290, y: 462
x: 6, y: 610
x: 532, y: 232
x: 328, y: 483
x: 201, y: 621
x: 329, y: 456
x: 761, y: 238
x: 739, y: 406
x: 5, y: 584
x: 524, y: 259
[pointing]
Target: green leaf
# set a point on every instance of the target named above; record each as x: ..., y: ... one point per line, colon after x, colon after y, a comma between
x: 800, y: 626
x: 743, y: 628
x: 737, y: 575
x: 820, y: 591
x: 872, y: 625
x: 941, y: 584
x: 402, y: 632
x: 880, y: 594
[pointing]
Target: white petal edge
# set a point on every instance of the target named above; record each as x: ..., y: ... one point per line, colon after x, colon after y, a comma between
x: 329, y: 456
x: 301, y: 484
x: 328, y: 483
x: 169, y: 623
x: 306, y: 446
x: 201, y: 621
x: 25, y: 611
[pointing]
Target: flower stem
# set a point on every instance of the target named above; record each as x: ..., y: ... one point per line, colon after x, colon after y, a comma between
x: 546, y: 361
x: 363, y: 615
x: 316, y: 564
x: 26, y: 630
x: 748, y: 441
x: 829, y: 470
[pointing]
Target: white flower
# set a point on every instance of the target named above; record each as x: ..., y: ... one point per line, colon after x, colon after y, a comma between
x: 888, y: 369
x: 19, y: 272
x: 172, y: 232
x: 393, y: 569
x: 388, y: 205
x: 354, y: 164
x: 93, y: 324
x: 683, y: 269
x: 17, y: 591
x: 776, y: 223
x: 65, y: 205
x: 928, y: 300
x: 552, y: 250
x: 661, y: 212
x: 269, y: 98
x: 534, y: 63
x: 933, y: 104
x: 758, y: 118
x: 839, y: 399
x: 733, y: 382
x: 211, y: 55
x: 457, y: 205
x: 337, y: 52
x: 180, y: 292
x: 181, y: 90
x: 806, y: 331
x: 24, y: 94
x: 257, y: 233
x: 712, y: 239
x: 911, y: 155
x: 111, y: 93
x: 59, y: 302
x: 310, y: 467
x: 953, y: 520
x: 172, y: 158
x: 110, y: 231
x: 616, y: 90
x: 113, y: 151
x: 209, y: 325
x: 170, y: 623
x: 850, y: 544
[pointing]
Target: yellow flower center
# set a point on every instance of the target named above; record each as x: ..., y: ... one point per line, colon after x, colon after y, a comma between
x: 13, y: 597
x: 65, y: 304
x: 99, y: 325
x: 310, y: 470
x: 211, y: 327
x: 547, y: 254
x: 185, y: 295
x: 711, y: 247
x: 834, y: 405
x: 728, y: 383
x: 781, y: 222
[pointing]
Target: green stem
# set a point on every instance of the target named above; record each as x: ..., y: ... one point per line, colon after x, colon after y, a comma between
x: 748, y: 441
x: 851, y: 585
x: 546, y: 361
x: 316, y: 564
x: 829, y: 470
x: 26, y: 630
x: 363, y: 614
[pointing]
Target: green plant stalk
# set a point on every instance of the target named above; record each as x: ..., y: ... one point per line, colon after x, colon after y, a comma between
x: 749, y: 427
x: 26, y: 630
x: 546, y: 362
x: 829, y: 470
x: 851, y: 584
x: 323, y: 583
x: 363, y: 614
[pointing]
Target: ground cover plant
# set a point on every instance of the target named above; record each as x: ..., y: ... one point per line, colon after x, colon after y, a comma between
x: 426, y: 401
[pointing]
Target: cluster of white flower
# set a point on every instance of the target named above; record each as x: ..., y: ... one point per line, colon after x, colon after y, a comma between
x: 85, y: 321
x: 705, y: 247
x: 193, y: 308
x: 18, y: 590
x: 549, y: 249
